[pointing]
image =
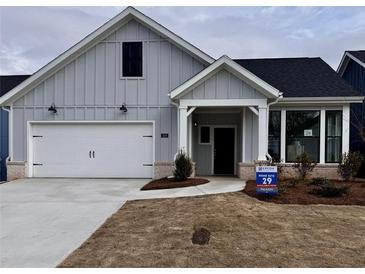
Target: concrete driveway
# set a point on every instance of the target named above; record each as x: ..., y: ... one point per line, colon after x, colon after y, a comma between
x: 43, y: 220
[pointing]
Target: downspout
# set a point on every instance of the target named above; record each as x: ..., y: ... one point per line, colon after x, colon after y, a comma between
x: 267, y: 119
x: 178, y: 124
x: 10, y: 129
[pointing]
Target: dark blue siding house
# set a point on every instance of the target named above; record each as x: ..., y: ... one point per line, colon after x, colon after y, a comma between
x: 6, y: 84
x: 352, y: 69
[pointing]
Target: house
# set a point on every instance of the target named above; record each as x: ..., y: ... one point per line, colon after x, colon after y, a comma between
x: 7, y: 82
x: 126, y: 98
x: 352, y: 69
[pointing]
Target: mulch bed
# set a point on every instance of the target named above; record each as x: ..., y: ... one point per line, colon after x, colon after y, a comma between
x: 166, y: 183
x: 299, y: 194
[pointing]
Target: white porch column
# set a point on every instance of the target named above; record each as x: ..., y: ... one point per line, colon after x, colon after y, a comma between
x: 183, y: 128
x: 190, y: 135
x: 262, y: 134
x: 345, y: 128
x: 243, y: 159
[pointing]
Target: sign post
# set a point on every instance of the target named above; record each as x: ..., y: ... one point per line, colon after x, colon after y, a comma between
x: 267, y: 180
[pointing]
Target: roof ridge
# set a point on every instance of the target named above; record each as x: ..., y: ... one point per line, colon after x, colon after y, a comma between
x: 279, y: 58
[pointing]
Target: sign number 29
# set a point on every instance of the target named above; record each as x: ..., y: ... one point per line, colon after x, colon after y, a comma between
x: 266, y: 181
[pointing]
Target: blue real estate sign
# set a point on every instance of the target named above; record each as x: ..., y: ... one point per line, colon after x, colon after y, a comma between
x: 266, y: 180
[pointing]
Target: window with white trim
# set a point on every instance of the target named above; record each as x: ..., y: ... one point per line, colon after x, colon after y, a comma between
x: 333, y: 136
x: 302, y: 134
x: 132, y: 59
x: 204, y: 135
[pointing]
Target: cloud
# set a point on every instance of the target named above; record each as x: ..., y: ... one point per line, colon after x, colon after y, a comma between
x: 30, y: 37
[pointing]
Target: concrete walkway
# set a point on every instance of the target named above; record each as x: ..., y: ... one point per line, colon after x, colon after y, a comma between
x: 43, y: 220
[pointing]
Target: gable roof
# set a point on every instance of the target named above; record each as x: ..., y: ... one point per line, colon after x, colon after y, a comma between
x: 300, y: 77
x: 8, y: 82
x: 358, y: 56
x: 228, y: 64
x: 92, y: 39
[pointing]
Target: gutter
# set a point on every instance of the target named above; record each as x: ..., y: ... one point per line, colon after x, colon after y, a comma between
x: 267, y: 119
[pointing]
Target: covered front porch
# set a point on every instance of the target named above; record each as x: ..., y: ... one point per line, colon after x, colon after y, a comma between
x: 219, y: 139
x: 223, y: 117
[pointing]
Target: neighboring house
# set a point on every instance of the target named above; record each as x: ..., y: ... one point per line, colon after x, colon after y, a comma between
x: 7, y: 82
x: 352, y: 69
x: 125, y: 99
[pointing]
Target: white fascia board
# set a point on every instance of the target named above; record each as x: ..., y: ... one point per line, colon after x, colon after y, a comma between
x: 321, y: 100
x: 184, y: 103
x: 228, y: 64
x: 91, y: 40
x: 342, y: 66
x: 361, y: 63
x: 344, y: 62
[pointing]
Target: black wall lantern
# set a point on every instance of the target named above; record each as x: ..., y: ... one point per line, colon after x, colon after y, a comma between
x: 52, y: 108
x: 196, y: 123
x: 124, y: 107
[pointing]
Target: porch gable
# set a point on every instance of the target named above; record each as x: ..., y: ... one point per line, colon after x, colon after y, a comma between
x: 225, y: 79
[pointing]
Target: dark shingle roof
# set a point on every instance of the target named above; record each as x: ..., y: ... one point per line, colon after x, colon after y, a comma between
x: 8, y: 82
x: 299, y: 77
x: 359, y: 54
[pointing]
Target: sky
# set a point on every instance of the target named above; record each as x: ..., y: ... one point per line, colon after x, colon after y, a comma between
x: 30, y: 37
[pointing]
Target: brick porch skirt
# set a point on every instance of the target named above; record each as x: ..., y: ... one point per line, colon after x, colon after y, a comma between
x: 247, y: 171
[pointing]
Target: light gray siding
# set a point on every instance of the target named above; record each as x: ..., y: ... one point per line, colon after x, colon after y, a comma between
x: 91, y: 88
x: 224, y: 85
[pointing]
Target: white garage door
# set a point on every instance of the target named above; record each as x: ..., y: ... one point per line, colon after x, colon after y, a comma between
x: 104, y: 150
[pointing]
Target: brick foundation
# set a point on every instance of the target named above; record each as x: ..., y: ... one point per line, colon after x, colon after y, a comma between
x: 164, y: 169
x: 246, y: 171
x: 16, y: 170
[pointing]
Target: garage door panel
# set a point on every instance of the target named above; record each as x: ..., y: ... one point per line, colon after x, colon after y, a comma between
x: 117, y: 150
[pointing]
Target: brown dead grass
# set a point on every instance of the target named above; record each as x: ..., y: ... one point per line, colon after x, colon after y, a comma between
x: 245, y: 232
x: 166, y: 183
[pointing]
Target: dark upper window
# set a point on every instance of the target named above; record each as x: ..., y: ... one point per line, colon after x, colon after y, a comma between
x: 132, y: 59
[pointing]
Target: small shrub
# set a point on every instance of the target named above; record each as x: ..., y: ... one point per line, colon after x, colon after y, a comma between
x: 293, y: 182
x: 318, y: 181
x: 183, y: 167
x: 282, y: 188
x: 349, y: 165
x: 330, y: 190
x: 279, y: 165
x: 304, y: 165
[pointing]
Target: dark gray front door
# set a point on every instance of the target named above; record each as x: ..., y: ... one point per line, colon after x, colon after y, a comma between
x: 224, y: 151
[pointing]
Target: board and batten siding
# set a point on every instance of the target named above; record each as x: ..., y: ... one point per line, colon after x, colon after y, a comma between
x: 91, y: 88
x: 223, y: 85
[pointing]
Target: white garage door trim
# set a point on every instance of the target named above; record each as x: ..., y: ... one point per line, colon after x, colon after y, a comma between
x: 30, y: 134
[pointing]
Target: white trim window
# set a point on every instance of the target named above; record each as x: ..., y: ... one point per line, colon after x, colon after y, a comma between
x: 205, y: 135
x: 333, y: 136
x: 320, y: 132
x: 302, y: 134
x: 132, y: 60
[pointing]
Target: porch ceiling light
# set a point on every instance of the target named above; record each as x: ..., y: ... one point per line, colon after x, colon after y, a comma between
x: 52, y: 109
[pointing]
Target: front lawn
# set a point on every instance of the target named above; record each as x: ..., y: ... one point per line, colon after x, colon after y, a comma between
x: 232, y: 230
x: 306, y: 192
